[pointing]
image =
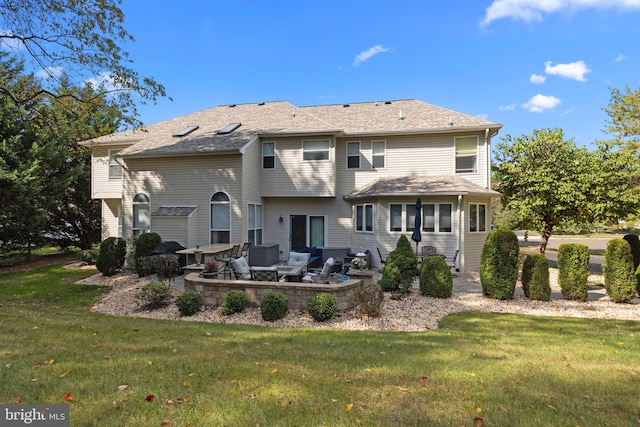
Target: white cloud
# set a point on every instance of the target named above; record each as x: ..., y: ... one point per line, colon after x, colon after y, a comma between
x: 575, y: 70
x: 509, y: 107
x: 621, y: 58
x: 368, y: 54
x: 106, y: 81
x: 50, y: 72
x: 537, y: 79
x: 532, y: 10
x: 539, y: 103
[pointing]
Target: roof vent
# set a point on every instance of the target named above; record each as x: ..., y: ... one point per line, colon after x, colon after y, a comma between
x: 232, y: 105
x: 228, y: 128
x: 186, y: 131
x: 346, y: 105
x: 261, y: 103
x: 387, y: 102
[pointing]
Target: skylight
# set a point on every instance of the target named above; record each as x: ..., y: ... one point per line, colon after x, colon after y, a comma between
x: 228, y: 128
x: 186, y: 131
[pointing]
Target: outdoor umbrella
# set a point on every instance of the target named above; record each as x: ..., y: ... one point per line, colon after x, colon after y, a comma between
x: 417, y: 225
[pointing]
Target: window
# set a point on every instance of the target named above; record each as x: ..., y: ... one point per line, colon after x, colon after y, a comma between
x: 364, y: 218
x: 395, y: 217
x: 268, y: 155
x: 436, y: 217
x: 316, y: 150
x: 115, y: 168
x: 378, y: 154
x: 411, y: 217
x: 477, y: 218
x: 141, y: 214
x: 353, y: 155
x: 220, y: 218
x: 254, y: 224
x: 466, y: 154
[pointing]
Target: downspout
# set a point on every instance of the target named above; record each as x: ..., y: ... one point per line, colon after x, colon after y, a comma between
x: 487, y: 145
x: 459, y: 233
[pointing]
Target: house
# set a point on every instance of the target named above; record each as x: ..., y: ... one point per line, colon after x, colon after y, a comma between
x: 345, y: 175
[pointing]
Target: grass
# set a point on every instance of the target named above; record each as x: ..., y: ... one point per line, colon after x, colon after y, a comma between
x: 507, y: 369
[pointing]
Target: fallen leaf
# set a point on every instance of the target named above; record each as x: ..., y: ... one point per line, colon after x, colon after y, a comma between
x: 149, y: 398
x: 207, y: 414
x: 122, y: 387
x: 65, y: 373
x: 175, y: 350
x: 18, y: 399
x: 50, y: 362
x: 186, y: 398
x: 169, y: 402
x: 274, y: 370
x: 68, y: 397
x: 186, y: 384
x: 503, y: 408
x: 424, y: 380
x: 402, y: 388
x: 165, y: 422
x: 107, y: 356
x: 208, y: 334
x: 314, y: 410
x: 348, y: 407
x: 478, y: 422
x: 35, y: 365
x: 478, y: 410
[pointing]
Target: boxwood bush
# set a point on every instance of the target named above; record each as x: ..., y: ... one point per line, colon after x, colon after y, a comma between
x: 234, y: 301
x: 322, y: 306
x: 499, y: 264
x: 573, y: 270
x: 189, y: 303
x: 274, y: 306
x: 155, y: 295
x: 619, y: 274
x: 144, y: 246
x: 535, y: 277
x: 435, y: 278
x: 111, y: 256
x: 634, y: 241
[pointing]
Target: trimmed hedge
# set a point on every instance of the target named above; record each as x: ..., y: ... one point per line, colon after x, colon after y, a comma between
x: 110, y: 259
x: 573, y: 270
x: 234, y: 301
x: 499, y: 264
x: 274, y: 306
x: 535, y: 277
x: 144, y: 246
x: 322, y: 306
x: 619, y: 278
x: 435, y: 278
x: 189, y: 303
x: 634, y: 241
x: 400, y: 267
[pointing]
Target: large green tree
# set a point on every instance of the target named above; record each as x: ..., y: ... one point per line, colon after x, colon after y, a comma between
x: 551, y: 182
x: 624, y: 117
x: 83, y: 39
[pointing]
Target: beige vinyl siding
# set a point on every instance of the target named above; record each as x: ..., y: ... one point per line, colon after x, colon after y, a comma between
x: 474, y: 242
x: 293, y: 177
x: 251, y: 166
x: 101, y: 186
x: 186, y: 181
x: 176, y: 229
x: 110, y: 209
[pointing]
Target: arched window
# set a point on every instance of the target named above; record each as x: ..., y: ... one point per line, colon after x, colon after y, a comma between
x: 141, y: 214
x: 220, y: 218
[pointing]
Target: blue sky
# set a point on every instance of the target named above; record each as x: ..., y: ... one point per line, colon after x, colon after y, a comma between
x: 526, y: 64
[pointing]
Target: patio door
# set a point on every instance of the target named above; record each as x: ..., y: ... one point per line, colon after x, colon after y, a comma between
x: 307, y: 230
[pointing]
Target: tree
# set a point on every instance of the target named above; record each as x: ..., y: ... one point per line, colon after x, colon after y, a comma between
x: 624, y: 114
x: 550, y: 182
x: 81, y: 39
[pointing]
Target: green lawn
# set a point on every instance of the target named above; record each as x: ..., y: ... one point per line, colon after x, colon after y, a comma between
x: 509, y: 370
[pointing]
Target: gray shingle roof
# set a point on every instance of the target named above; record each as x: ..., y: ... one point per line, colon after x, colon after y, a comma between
x: 274, y: 118
x: 420, y: 186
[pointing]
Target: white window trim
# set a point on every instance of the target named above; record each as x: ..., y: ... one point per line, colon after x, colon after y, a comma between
x: 114, y: 162
x: 211, y: 202
x: 256, y: 226
x: 135, y: 229
x: 478, y: 217
x: 327, y: 150
x: 364, y: 217
x: 353, y: 155
x: 262, y: 156
x: 455, y: 156
x: 384, y: 155
x: 436, y: 222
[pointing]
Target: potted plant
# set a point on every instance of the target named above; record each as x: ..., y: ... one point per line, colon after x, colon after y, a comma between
x: 359, y: 262
x: 210, y: 269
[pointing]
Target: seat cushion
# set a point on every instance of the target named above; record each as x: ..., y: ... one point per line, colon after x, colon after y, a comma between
x: 326, y: 269
x: 298, y: 258
x: 241, y: 266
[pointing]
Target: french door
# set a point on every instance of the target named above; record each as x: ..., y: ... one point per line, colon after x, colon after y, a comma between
x: 307, y: 230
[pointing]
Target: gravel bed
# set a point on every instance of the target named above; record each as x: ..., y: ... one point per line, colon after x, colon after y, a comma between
x: 414, y: 312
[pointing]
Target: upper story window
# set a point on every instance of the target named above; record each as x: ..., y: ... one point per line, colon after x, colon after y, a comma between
x: 466, y: 154
x: 477, y: 218
x: 115, y: 168
x: 220, y: 218
x: 268, y: 155
x: 364, y: 218
x: 378, y: 154
x: 437, y: 218
x: 141, y: 214
x: 316, y: 150
x: 353, y: 155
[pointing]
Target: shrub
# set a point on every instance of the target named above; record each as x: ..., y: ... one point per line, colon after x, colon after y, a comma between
x: 234, y: 302
x: 499, y: 264
x: 573, y: 270
x: 89, y: 256
x: 435, y: 278
x: 634, y: 241
x: 322, y: 306
x: 155, y: 295
x: 274, y: 306
x: 111, y: 256
x: 165, y: 266
x: 535, y: 277
x: 369, y: 299
x: 619, y: 278
x: 144, y: 246
x: 189, y: 303
x: 400, y: 267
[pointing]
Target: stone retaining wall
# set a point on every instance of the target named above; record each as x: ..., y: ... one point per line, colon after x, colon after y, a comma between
x: 212, y: 290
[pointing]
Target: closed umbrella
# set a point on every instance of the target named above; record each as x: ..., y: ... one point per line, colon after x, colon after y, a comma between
x: 417, y: 225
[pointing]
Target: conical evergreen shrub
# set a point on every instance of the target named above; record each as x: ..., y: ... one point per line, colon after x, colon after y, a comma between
x: 619, y: 278
x: 499, y: 264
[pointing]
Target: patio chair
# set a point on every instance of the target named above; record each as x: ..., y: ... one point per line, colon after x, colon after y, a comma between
x: 240, y: 268
x: 244, y: 251
x: 264, y: 275
x: 228, y: 257
x: 453, y: 263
